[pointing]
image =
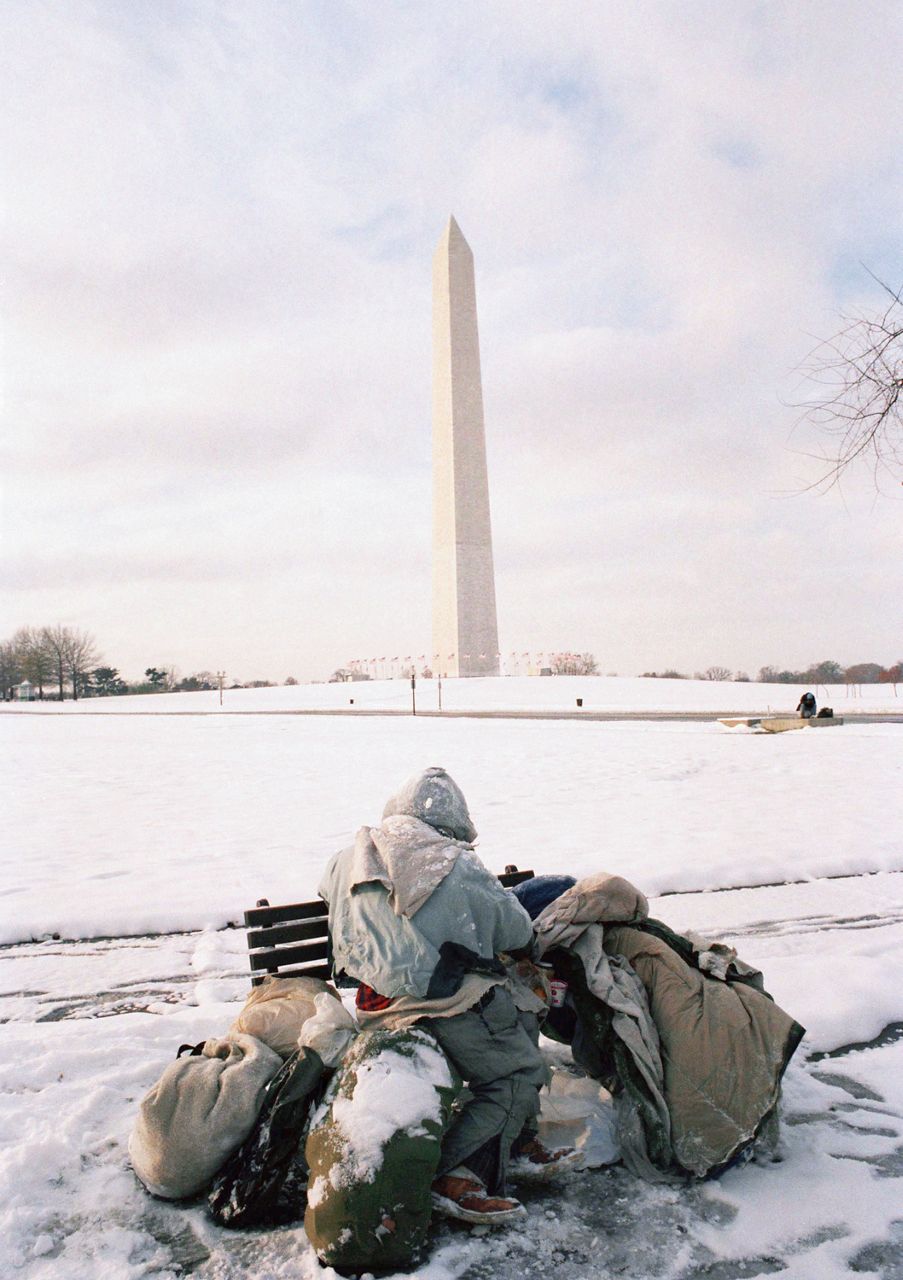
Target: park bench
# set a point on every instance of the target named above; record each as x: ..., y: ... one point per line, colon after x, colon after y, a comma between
x: 293, y: 940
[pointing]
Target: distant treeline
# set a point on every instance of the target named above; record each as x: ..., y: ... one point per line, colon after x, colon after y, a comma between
x: 59, y: 662
x: 48, y: 658
x: 819, y: 673
x: 53, y: 663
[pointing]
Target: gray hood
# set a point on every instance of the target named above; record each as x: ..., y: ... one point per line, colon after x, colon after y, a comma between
x: 434, y: 798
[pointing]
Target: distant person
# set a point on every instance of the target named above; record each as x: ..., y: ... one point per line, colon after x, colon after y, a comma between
x: 806, y: 706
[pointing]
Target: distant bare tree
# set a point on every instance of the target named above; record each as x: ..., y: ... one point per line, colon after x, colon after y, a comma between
x: 72, y: 654
x: 55, y: 641
x: 81, y: 656
x: 10, y: 669
x: 827, y: 672
x: 863, y: 673
x: 860, y: 410
x: 37, y: 662
x: 893, y: 675
x: 574, y: 664
x: 717, y: 673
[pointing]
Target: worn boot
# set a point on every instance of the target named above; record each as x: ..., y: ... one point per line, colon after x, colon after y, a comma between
x: 533, y: 1162
x: 460, y: 1194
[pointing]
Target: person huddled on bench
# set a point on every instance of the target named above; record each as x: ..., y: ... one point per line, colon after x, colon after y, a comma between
x: 419, y: 921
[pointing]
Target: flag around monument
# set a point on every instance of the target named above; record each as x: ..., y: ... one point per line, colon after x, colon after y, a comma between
x: 465, y: 628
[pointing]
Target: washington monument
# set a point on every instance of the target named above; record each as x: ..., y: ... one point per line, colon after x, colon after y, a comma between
x: 465, y: 630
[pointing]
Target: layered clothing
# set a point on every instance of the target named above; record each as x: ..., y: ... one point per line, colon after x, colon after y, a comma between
x: 412, y: 912
x: 684, y: 1029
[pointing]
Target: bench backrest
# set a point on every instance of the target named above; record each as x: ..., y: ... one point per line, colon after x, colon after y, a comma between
x: 293, y: 940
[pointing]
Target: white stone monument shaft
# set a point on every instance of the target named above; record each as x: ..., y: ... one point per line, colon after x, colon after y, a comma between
x: 465, y: 629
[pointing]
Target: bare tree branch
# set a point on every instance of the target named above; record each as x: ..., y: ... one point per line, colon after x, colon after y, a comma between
x: 859, y: 408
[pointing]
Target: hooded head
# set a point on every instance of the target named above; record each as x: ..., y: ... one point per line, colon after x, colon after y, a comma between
x: 434, y: 798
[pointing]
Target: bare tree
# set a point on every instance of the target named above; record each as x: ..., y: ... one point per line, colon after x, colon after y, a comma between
x: 72, y: 654
x: 717, y: 673
x: 55, y: 642
x: 859, y: 409
x: 10, y: 669
x: 37, y: 662
x: 81, y: 656
x: 574, y: 664
x: 893, y: 675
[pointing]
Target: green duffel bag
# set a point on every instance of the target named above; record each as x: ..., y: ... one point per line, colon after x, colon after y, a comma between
x: 373, y: 1149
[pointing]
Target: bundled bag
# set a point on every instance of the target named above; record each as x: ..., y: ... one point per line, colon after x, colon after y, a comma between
x: 725, y: 1044
x: 199, y: 1111
x: 263, y: 1181
x: 277, y: 1009
x: 373, y: 1150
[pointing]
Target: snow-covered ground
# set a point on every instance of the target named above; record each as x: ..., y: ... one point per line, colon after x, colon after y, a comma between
x: 506, y: 693
x: 118, y: 827
x: 131, y: 824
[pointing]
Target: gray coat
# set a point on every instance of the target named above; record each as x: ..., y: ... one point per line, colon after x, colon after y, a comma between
x: 401, y: 892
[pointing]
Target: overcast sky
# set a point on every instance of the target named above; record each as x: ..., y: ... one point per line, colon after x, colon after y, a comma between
x: 219, y: 225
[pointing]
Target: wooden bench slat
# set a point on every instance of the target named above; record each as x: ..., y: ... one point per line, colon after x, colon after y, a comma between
x: 258, y: 916
x: 277, y: 935
x: 306, y: 971
x: 280, y: 956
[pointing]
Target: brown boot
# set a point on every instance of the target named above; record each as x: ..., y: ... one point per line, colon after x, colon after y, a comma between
x: 460, y: 1194
x: 536, y: 1163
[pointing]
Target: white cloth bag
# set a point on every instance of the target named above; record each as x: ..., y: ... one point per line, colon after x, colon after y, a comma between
x: 198, y: 1112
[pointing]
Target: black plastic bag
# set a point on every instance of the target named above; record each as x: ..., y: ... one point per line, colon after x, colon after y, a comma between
x: 261, y: 1182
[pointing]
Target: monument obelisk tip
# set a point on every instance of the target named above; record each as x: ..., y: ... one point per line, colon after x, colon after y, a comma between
x: 452, y: 232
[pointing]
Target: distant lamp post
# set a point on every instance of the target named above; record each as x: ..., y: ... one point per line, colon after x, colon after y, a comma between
x: 220, y: 677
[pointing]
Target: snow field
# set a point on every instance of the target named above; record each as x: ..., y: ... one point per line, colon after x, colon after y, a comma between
x: 128, y: 825
x: 118, y: 825
x: 502, y: 693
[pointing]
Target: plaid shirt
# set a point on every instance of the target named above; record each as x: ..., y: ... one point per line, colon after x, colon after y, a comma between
x: 369, y: 1000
